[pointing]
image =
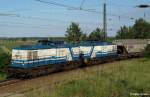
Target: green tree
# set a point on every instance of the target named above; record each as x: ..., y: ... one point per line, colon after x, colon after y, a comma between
x: 140, y: 30
x: 125, y: 33
x: 74, y: 33
x: 24, y: 39
x: 84, y: 37
x: 96, y: 35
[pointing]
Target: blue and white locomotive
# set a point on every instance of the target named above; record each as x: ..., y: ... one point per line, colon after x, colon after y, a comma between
x: 46, y: 57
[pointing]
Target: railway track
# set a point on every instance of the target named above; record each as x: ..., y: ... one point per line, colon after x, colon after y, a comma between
x: 11, y: 81
x: 8, y: 82
x: 23, y: 92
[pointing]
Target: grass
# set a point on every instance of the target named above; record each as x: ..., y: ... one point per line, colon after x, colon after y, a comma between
x: 15, y: 43
x: 116, y: 80
x: 3, y: 76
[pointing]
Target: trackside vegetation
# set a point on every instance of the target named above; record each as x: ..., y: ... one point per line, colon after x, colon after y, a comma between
x: 119, y: 79
x: 147, y: 51
x: 140, y: 30
x: 4, y: 61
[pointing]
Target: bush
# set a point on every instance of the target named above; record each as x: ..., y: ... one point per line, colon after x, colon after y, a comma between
x: 3, y: 76
x: 4, y: 60
x: 4, y: 57
x: 147, y: 51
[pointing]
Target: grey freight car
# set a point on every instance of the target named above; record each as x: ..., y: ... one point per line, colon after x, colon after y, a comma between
x: 133, y: 45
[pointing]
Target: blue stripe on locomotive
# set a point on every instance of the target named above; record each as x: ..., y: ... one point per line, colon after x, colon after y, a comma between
x: 37, y: 62
x: 105, y: 54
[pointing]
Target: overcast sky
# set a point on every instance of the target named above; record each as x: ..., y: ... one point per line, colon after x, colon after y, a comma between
x: 30, y: 18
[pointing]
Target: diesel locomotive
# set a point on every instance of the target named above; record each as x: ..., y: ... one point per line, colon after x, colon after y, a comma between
x: 47, y: 57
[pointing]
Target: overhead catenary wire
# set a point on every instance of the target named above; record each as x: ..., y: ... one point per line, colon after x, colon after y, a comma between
x: 121, y: 5
x: 62, y: 5
x: 78, y: 8
x: 19, y: 24
x: 26, y: 25
x: 66, y: 6
x: 8, y: 14
x: 50, y: 19
x: 37, y: 27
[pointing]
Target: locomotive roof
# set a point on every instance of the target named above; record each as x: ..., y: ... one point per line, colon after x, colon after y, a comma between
x: 39, y: 46
x: 59, y: 45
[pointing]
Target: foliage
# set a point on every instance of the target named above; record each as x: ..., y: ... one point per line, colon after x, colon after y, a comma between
x: 12, y: 43
x: 3, y: 76
x: 118, y: 82
x: 140, y: 30
x: 4, y: 61
x: 4, y: 57
x: 96, y: 35
x: 74, y: 33
x: 147, y: 51
x: 118, y: 79
x: 125, y: 33
x: 84, y: 37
